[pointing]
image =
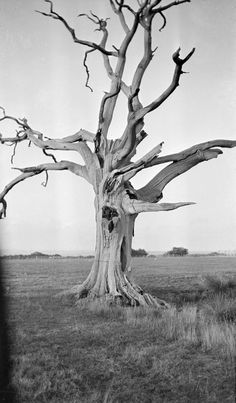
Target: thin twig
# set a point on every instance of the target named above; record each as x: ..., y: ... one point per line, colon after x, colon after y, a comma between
x: 87, y: 69
x: 49, y: 155
x: 44, y: 184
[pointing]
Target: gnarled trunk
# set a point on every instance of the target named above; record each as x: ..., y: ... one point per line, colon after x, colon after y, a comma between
x: 110, y: 277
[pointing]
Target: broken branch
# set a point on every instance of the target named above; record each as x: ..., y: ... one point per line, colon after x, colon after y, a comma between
x: 133, y: 206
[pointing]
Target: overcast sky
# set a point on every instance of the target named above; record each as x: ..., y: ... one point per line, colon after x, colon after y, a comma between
x: 42, y: 78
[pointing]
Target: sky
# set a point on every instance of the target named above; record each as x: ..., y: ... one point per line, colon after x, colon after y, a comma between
x: 42, y: 78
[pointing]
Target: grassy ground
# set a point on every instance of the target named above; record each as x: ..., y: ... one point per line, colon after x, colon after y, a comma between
x: 62, y: 353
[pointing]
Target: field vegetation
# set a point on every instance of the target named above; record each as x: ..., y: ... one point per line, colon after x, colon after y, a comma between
x: 96, y: 353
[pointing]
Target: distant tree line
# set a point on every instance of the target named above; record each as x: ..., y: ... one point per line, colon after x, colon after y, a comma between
x: 39, y: 255
x: 34, y: 255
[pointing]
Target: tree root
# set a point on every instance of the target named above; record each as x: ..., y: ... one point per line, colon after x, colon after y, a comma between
x: 128, y: 296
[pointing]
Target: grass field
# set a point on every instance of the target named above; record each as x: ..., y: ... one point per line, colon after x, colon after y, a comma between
x: 62, y: 353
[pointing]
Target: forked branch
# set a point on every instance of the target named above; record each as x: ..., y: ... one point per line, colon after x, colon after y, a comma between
x: 174, y: 84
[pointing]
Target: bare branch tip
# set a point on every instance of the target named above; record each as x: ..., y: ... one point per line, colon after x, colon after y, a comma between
x: 114, y: 47
x: 3, y: 210
x: 44, y: 184
x: 3, y: 111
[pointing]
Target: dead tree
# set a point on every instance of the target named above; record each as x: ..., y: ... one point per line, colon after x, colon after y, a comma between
x: 108, y: 164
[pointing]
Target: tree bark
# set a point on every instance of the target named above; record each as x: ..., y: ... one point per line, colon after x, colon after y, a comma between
x: 110, y: 278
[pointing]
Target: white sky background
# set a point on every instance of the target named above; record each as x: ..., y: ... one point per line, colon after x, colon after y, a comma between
x: 42, y: 79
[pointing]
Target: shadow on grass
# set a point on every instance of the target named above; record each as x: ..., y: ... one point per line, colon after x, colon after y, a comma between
x: 7, y: 392
x: 207, y: 289
x: 179, y: 297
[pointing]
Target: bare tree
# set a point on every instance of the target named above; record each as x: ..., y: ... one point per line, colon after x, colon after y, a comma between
x: 108, y: 164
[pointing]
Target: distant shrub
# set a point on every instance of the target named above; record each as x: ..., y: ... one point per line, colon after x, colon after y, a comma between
x: 138, y: 252
x: 177, y: 251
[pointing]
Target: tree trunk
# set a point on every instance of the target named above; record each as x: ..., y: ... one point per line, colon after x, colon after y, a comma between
x: 110, y: 276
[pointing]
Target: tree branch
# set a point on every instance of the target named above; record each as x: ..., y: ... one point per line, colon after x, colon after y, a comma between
x: 120, y: 14
x: 56, y: 16
x: 51, y: 144
x: 122, y: 4
x: 174, y: 84
x: 141, y: 135
x: 87, y: 69
x: 172, y: 4
x: 182, y: 162
x: 146, y: 59
x: 21, y: 122
x: 36, y: 170
x: 81, y: 135
x: 125, y: 89
x: 133, y: 206
x: 75, y: 142
x: 164, y: 21
x: 129, y: 171
x: 110, y: 99
x: 77, y: 169
x: 137, y: 112
x: 192, y: 150
x: 102, y: 27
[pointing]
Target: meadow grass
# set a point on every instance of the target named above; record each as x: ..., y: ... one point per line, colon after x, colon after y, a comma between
x: 96, y: 353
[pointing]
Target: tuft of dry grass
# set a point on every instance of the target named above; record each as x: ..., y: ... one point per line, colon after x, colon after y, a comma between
x: 219, y: 337
x: 142, y: 316
x: 219, y: 284
x: 189, y: 324
x: 221, y: 307
x: 103, y: 310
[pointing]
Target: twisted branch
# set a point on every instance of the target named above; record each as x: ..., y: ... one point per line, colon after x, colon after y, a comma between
x: 87, y: 69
